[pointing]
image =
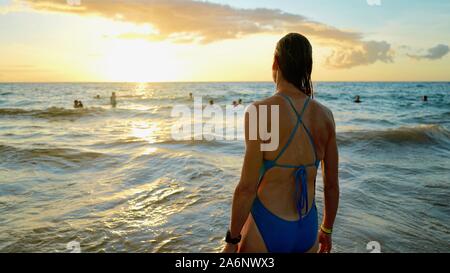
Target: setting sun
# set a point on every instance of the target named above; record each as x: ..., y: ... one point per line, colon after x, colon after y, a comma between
x: 139, y: 61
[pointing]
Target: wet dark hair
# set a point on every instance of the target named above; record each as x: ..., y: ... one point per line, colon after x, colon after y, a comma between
x: 294, y: 58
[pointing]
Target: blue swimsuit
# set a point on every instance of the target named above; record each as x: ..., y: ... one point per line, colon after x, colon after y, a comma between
x: 279, y: 235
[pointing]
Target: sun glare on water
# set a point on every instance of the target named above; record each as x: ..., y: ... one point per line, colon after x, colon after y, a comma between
x: 145, y: 131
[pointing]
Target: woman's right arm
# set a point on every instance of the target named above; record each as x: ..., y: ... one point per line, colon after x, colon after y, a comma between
x: 330, y: 170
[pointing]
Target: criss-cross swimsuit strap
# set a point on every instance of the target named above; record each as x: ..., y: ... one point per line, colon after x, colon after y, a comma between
x: 297, y: 126
x: 301, y: 174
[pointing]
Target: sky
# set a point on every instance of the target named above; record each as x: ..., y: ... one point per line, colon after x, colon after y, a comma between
x: 220, y: 40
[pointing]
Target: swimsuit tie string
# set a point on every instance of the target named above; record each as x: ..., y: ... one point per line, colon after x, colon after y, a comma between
x: 301, y: 176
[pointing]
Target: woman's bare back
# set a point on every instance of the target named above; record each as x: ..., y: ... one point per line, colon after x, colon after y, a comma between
x: 277, y: 188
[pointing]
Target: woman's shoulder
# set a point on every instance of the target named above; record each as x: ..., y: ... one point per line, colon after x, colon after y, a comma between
x: 321, y: 108
x: 323, y: 112
x: 269, y: 101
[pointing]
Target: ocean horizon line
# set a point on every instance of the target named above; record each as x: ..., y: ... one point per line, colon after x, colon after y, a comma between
x: 166, y: 82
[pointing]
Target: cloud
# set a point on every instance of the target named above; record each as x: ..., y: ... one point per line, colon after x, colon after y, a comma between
x: 367, y: 53
x: 434, y: 53
x: 188, y: 21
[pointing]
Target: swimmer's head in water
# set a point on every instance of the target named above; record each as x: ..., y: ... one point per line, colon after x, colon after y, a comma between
x: 293, y: 59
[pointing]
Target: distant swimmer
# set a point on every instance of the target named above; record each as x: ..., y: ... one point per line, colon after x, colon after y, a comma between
x: 240, y: 102
x: 358, y: 99
x: 77, y: 104
x: 211, y: 102
x: 113, y: 99
x: 425, y: 98
x: 191, y: 96
x: 97, y: 97
x: 235, y: 104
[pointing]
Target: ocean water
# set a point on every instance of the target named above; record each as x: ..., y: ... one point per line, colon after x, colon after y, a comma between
x: 113, y: 180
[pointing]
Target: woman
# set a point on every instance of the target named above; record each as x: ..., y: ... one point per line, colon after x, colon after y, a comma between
x: 274, y: 204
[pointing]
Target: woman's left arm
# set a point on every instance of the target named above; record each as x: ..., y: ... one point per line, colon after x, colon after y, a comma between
x: 245, y: 192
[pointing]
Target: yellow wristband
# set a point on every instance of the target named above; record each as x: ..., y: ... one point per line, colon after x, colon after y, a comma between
x: 326, y: 230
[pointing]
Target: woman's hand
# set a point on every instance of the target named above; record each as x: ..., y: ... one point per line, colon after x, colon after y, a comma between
x: 325, y: 241
x: 230, y: 248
